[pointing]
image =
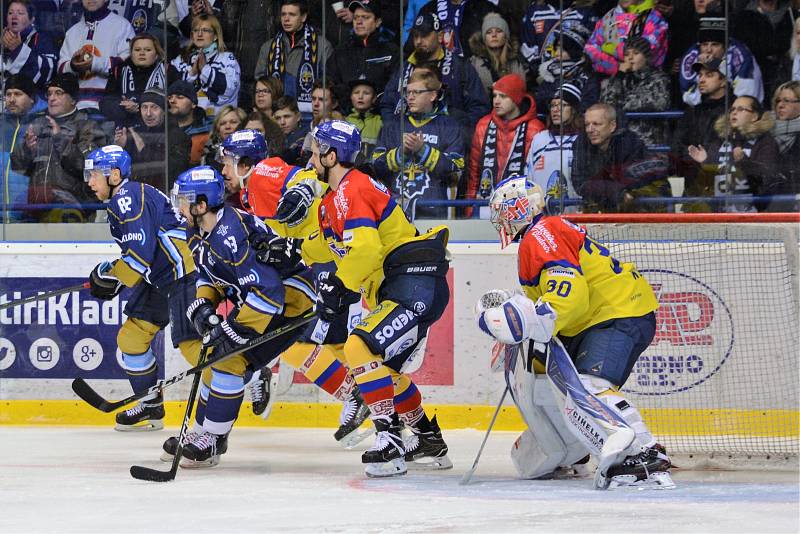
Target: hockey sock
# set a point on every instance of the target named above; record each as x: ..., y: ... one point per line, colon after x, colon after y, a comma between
x: 319, y: 364
x: 408, y: 403
x: 142, y: 371
x: 224, y: 399
x: 373, y: 378
x: 200, y: 410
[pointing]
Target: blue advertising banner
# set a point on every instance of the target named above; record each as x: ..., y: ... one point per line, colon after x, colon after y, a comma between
x: 67, y: 336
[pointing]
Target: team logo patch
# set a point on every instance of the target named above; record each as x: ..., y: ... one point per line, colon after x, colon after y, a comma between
x: 413, y: 183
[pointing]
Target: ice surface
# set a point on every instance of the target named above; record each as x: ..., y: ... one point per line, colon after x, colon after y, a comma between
x: 298, y: 480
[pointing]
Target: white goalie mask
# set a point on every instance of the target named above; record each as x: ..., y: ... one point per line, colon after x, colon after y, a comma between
x: 514, y: 204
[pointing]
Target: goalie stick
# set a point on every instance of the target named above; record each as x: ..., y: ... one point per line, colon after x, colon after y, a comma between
x: 510, y: 353
x: 91, y: 397
x: 44, y: 296
x: 154, y: 475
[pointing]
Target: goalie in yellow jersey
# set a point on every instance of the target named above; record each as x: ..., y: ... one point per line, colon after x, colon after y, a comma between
x: 591, y: 316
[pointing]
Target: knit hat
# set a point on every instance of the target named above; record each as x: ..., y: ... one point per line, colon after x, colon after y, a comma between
x: 22, y: 83
x: 494, y: 20
x: 574, y: 42
x: 513, y: 86
x: 711, y: 29
x: 67, y: 82
x: 569, y: 93
x: 641, y: 45
x: 183, y: 88
x: 154, y: 95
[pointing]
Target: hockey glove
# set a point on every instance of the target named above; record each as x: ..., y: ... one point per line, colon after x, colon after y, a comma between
x: 294, y: 204
x: 333, y: 298
x: 228, y: 337
x: 281, y: 253
x: 102, y: 285
x: 203, y: 315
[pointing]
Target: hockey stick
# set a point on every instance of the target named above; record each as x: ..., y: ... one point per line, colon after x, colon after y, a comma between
x: 91, y: 397
x: 44, y: 296
x: 154, y: 475
x: 468, y: 475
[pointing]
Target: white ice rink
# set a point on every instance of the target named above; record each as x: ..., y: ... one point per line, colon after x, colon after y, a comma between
x: 288, y: 480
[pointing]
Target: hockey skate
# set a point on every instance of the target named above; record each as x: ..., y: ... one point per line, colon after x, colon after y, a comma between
x: 261, y: 393
x: 386, y: 457
x: 204, y: 450
x: 354, y: 413
x: 427, y: 450
x: 145, y: 416
x: 171, y: 445
x: 647, y: 470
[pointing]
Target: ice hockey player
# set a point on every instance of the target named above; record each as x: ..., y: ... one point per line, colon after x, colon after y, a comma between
x: 156, y: 263
x: 603, y: 314
x: 402, y: 276
x: 263, y: 300
x: 261, y: 181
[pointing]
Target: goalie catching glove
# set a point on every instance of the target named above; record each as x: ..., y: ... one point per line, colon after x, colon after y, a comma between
x: 103, y: 285
x: 516, y: 319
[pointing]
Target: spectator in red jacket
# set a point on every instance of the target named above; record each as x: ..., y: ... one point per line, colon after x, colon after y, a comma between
x: 502, y: 138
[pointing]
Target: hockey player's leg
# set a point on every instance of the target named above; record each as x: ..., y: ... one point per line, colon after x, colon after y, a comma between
x: 224, y: 398
x: 425, y: 448
x: 133, y: 339
x: 386, y: 457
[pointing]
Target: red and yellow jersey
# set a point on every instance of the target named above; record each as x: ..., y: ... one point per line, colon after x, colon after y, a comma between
x: 268, y: 182
x: 578, y: 277
x: 361, y: 223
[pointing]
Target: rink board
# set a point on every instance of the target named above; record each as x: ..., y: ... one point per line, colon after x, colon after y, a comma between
x: 43, y: 346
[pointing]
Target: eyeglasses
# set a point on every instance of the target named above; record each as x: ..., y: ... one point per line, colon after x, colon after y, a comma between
x: 786, y: 101
x: 202, y: 30
x: 416, y: 92
x: 263, y: 91
x: 740, y: 109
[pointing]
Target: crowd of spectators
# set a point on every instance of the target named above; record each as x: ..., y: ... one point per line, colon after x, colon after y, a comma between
x: 451, y: 96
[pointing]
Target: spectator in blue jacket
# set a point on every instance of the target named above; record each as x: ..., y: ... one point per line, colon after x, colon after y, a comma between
x: 464, y: 94
x: 427, y: 160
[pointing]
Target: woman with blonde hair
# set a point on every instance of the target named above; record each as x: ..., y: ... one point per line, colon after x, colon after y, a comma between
x: 786, y: 110
x: 494, y: 51
x: 228, y: 120
x: 209, y: 66
x: 143, y: 70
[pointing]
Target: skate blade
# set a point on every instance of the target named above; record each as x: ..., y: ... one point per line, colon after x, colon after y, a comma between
x: 145, y: 426
x: 187, y: 463
x: 393, y: 468
x: 656, y: 481
x: 355, y: 437
x: 427, y: 463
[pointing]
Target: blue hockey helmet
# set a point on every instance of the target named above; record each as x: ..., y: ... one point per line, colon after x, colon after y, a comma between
x: 105, y: 159
x: 244, y: 144
x: 340, y: 136
x: 197, y: 181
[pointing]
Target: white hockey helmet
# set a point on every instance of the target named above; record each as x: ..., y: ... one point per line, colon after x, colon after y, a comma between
x: 514, y: 204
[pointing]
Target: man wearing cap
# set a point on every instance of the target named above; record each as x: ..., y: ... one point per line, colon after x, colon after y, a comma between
x: 21, y: 106
x: 146, y: 143
x: 367, y: 54
x: 459, y: 20
x: 93, y: 47
x: 464, y: 96
x: 53, y: 151
x: 744, y: 74
x: 184, y: 112
x: 503, y: 137
x: 697, y: 125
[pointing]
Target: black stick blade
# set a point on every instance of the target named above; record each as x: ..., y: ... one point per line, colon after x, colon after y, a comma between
x: 92, y: 398
x: 151, y: 475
